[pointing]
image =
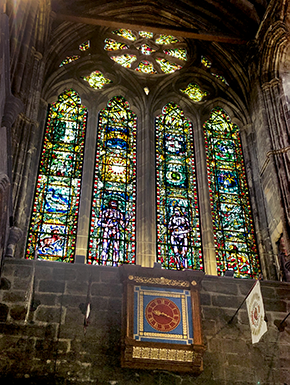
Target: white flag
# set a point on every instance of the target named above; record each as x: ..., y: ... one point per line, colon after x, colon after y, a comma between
x: 256, y: 313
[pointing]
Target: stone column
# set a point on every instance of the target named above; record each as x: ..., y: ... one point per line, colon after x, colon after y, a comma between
x: 273, y: 96
x: 87, y: 185
x: 208, y: 246
x: 146, y: 185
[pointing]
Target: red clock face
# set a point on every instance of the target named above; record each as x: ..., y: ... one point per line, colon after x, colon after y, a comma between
x: 162, y: 314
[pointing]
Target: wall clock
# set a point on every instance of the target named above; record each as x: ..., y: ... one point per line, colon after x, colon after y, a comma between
x: 161, y: 320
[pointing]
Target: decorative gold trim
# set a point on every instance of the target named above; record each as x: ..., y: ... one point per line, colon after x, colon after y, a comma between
x: 163, y: 354
x: 159, y: 281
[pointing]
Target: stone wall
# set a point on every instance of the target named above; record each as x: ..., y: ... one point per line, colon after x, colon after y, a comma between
x: 49, y: 345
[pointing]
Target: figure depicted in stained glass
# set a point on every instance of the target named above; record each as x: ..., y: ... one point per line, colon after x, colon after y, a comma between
x: 232, y: 219
x: 112, y: 236
x: 179, y: 228
x: 111, y: 221
x: 178, y: 234
x: 53, y: 225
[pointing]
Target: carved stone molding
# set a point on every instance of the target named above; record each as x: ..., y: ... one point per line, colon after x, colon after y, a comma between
x: 14, y: 236
x: 13, y: 107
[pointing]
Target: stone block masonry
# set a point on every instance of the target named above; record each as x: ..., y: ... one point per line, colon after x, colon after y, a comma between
x: 43, y: 339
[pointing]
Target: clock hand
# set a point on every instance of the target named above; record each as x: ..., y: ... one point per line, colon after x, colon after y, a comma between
x: 158, y: 312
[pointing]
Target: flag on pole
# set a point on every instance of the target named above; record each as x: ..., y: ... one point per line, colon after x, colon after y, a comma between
x: 256, y: 313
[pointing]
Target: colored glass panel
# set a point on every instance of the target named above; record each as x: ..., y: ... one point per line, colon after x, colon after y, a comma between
x: 113, y: 45
x: 168, y: 67
x: 232, y: 218
x: 146, y: 35
x: 146, y: 67
x: 178, y: 227
x: 206, y: 62
x: 97, y: 80
x: 53, y: 226
x: 84, y: 46
x: 126, y: 33
x: 112, y: 236
x: 166, y: 39
x: 179, y: 53
x: 124, y: 60
x: 220, y: 77
x: 69, y: 59
x: 194, y: 92
x: 146, y: 49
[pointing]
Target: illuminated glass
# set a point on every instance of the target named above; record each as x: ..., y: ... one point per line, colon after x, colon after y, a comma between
x: 69, y: 59
x: 206, y: 62
x: 84, y: 46
x: 146, y: 49
x: 220, y: 77
x: 53, y: 226
x: 168, y: 67
x: 126, y: 33
x: 124, y: 60
x: 97, y: 80
x: 113, y: 45
x: 194, y: 92
x: 166, y: 39
x: 146, y: 35
x: 178, y: 225
x: 179, y: 53
x: 112, y: 236
x: 146, y: 67
x: 232, y: 218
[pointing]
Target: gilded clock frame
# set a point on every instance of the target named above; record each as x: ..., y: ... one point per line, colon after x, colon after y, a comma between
x: 172, y: 356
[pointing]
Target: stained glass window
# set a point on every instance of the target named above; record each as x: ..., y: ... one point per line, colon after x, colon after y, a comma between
x: 69, y: 59
x: 168, y: 67
x: 146, y: 49
x: 232, y: 219
x: 179, y: 53
x: 178, y: 227
x: 194, y: 92
x: 220, y: 77
x: 146, y: 67
x: 53, y: 226
x: 146, y: 35
x: 206, y: 62
x: 112, y: 237
x: 124, y: 60
x: 166, y: 39
x: 126, y: 33
x: 84, y: 46
x: 113, y: 45
x: 97, y: 80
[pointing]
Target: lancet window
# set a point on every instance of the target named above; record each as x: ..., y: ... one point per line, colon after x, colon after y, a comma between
x: 53, y: 226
